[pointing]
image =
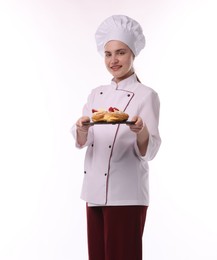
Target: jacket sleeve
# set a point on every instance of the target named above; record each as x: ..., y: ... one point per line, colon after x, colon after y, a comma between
x: 149, y: 112
x: 87, y: 111
x: 89, y: 137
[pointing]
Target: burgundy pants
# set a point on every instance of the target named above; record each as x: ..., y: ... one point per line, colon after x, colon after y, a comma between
x: 115, y: 232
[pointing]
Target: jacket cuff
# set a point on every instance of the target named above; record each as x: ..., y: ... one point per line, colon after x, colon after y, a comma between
x: 152, y: 149
x: 73, y: 131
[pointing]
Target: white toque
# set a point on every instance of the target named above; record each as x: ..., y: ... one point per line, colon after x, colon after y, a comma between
x: 121, y: 28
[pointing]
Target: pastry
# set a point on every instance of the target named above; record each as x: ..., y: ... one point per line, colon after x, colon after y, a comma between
x: 98, y: 115
x: 112, y: 115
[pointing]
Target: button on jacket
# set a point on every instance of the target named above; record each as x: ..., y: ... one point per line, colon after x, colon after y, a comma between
x: 114, y: 171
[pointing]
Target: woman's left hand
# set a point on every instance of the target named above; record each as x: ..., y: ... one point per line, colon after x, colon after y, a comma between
x: 138, y: 126
x: 142, y: 134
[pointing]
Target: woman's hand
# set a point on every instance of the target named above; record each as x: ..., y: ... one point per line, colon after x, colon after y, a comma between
x: 138, y: 126
x: 82, y: 130
x: 79, y: 124
x: 142, y: 134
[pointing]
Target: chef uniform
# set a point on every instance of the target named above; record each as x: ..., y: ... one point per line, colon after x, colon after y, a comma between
x: 116, y: 175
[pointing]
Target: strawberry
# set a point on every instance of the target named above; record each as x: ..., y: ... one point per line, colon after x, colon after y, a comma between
x: 94, y: 110
x: 111, y: 109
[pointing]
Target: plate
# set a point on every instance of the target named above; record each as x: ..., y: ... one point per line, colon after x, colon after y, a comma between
x: 110, y: 123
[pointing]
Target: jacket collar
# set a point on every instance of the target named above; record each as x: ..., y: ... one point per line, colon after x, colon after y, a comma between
x: 125, y: 83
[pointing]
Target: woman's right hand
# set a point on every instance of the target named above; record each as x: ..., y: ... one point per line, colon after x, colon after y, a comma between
x: 81, y: 128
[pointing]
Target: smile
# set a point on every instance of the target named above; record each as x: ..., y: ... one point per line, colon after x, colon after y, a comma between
x: 115, y: 68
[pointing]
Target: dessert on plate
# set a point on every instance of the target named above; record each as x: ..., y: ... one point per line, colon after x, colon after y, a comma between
x: 113, y: 114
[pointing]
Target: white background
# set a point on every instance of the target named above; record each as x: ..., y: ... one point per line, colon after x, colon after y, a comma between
x: 48, y: 65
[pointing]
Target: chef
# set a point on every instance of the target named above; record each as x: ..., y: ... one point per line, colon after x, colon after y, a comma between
x: 116, y: 171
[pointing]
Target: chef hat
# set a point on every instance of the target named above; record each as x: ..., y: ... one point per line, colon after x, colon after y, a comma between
x: 121, y: 28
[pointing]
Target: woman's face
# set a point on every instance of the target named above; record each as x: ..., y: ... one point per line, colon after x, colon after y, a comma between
x: 119, y: 60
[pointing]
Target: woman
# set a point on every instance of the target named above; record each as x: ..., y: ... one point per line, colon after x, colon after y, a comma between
x: 116, y: 171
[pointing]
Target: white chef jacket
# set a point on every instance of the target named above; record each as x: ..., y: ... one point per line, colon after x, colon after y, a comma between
x: 115, y: 173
